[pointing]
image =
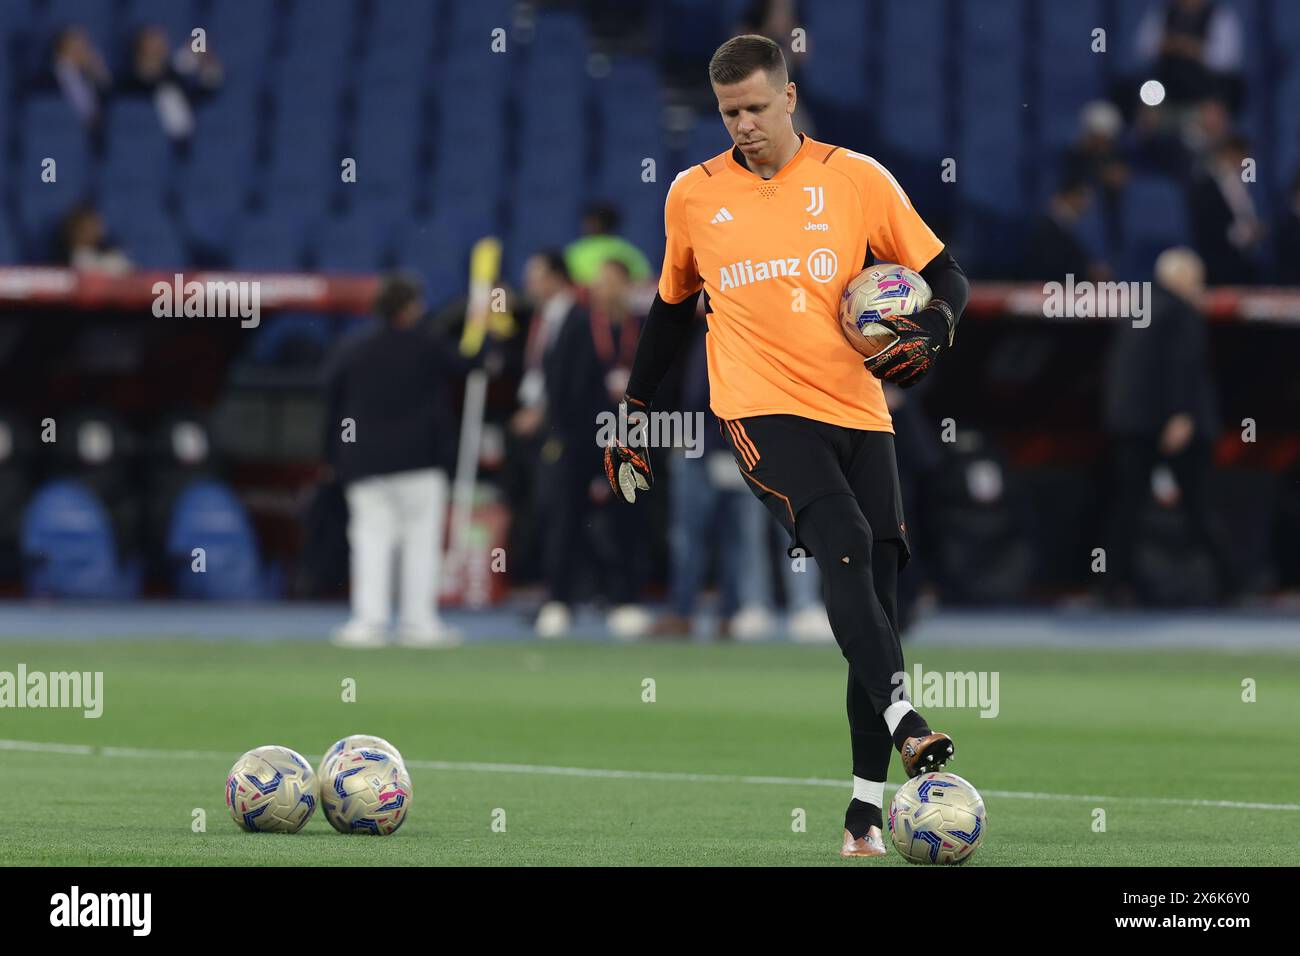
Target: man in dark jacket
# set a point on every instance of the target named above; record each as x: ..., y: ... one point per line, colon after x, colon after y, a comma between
x: 560, y: 395
x: 1056, y: 247
x: 1228, y: 230
x: 1161, y: 404
x: 390, y: 438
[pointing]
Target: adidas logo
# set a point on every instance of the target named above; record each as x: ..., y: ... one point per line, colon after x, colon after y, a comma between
x: 724, y: 215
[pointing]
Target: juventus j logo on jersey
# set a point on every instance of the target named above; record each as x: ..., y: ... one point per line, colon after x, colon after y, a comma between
x: 815, y: 200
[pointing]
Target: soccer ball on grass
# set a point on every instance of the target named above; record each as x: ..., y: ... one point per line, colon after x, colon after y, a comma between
x: 271, y: 790
x: 937, y: 818
x: 365, y: 791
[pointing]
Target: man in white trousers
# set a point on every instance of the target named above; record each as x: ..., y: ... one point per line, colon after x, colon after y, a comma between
x: 391, y: 441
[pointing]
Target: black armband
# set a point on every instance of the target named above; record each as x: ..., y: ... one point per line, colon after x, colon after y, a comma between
x: 949, y: 292
x: 667, y: 331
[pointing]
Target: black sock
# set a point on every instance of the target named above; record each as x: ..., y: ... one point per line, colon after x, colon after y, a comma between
x: 861, y: 816
x: 912, y: 725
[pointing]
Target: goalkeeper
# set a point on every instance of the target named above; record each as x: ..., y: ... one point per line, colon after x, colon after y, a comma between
x: 772, y: 230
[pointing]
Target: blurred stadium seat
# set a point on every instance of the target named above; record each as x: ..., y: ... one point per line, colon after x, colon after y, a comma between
x: 208, y: 515
x: 1155, y: 218
x: 68, y: 546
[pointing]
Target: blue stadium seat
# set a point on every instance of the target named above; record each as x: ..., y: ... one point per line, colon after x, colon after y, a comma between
x: 68, y: 546
x: 437, y: 247
x: 834, y: 71
x: 285, y: 338
x: 268, y: 243
x: 224, y: 142
x: 471, y: 167
x: 50, y: 130
x: 177, y: 17
x: 9, y: 249
x: 208, y: 515
x: 473, y: 76
x: 1155, y: 217
x: 403, y: 21
x: 481, y: 129
x: 622, y: 152
x: 539, y: 223
x: 1288, y: 127
x: 299, y: 201
x: 704, y: 140
x: 548, y: 165
x: 48, y: 114
x: 404, y: 65
x: 1286, y: 32
x: 304, y: 176
x: 241, y: 42
x: 643, y: 222
x: 323, y: 30
x: 568, y: 122
x: 212, y: 201
x: 710, y: 22
x: 354, y: 243
x: 557, y: 58
x: 144, y: 229
x: 473, y: 23
x: 1068, y: 74
x: 139, y: 152
x: 911, y: 33
x: 387, y: 151
x: 989, y: 95
x: 390, y: 114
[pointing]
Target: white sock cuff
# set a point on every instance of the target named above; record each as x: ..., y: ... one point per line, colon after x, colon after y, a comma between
x: 869, y: 791
x: 894, y: 713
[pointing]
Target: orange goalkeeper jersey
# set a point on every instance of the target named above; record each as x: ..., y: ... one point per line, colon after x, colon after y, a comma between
x: 774, y: 256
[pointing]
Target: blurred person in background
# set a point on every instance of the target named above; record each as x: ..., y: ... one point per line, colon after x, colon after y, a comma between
x: 710, y: 501
x: 77, y: 70
x: 85, y: 245
x: 708, y: 505
x: 1288, y: 237
x: 1194, y: 48
x: 173, y: 80
x: 1206, y: 128
x: 615, y: 329
x: 1056, y: 245
x: 390, y: 438
x: 1227, y: 228
x: 1095, y: 158
x: 920, y: 457
x: 601, y: 242
x: 561, y: 393
x: 1161, y: 405
x: 806, y: 619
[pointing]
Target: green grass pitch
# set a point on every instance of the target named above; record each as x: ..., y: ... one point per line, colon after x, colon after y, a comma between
x: 1141, y: 735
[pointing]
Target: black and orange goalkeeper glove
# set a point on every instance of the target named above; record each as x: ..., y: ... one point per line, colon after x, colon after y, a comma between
x: 627, y: 464
x: 921, y: 337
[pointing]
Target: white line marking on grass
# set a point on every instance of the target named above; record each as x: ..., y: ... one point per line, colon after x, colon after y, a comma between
x: 666, y: 776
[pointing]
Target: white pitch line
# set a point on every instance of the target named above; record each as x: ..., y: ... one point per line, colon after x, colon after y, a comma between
x: 666, y: 776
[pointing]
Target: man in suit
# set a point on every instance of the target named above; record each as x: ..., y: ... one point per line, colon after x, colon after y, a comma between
x: 1161, y: 405
x: 1228, y: 230
x: 560, y: 395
